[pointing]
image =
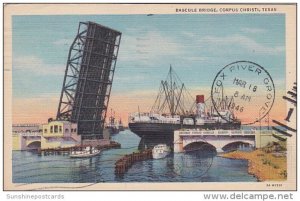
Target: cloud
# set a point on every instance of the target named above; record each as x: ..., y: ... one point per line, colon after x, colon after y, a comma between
x: 253, y: 30
x: 63, y: 41
x: 195, y: 58
x: 188, y: 34
x: 226, y: 43
x: 148, y: 47
x: 34, y: 109
x: 130, y: 79
x: 37, y: 66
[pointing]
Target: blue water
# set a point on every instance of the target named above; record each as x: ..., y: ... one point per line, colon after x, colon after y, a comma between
x: 28, y: 167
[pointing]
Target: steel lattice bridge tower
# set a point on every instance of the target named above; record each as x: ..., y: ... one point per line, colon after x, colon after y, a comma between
x: 88, y: 78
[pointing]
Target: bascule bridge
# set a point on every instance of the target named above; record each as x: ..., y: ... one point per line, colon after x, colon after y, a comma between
x: 88, y: 78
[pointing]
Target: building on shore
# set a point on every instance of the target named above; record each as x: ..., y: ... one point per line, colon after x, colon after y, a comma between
x: 54, y: 134
x: 59, y: 134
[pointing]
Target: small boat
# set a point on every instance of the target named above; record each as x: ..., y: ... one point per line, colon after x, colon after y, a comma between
x: 160, y: 151
x: 87, y: 152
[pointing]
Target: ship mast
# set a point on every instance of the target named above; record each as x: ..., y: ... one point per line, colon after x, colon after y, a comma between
x: 173, y: 97
x: 172, y: 93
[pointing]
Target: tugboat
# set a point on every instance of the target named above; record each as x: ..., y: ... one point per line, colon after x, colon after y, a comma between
x: 85, y: 153
x: 174, y: 109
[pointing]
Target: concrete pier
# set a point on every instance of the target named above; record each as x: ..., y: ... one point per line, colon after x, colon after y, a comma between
x: 122, y: 165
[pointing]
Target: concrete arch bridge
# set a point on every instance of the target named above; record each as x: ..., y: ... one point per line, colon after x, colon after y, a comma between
x: 26, y: 140
x: 220, y: 140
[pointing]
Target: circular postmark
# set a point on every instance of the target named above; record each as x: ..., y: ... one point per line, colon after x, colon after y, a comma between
x: 194, y: 162
x: 243, y: 91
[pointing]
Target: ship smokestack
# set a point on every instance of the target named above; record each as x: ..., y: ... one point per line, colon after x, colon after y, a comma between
x: 200, y: 105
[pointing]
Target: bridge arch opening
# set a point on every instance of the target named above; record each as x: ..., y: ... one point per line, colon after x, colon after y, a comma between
x: 34, y: 145
x: 238, y: 145
x: 200, y: 146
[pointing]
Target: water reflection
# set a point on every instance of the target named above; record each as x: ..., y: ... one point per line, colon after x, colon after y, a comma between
x: 193, y: 164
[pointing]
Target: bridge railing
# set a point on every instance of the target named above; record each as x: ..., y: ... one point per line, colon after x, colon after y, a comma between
x: 217, y: 132
x: 25, y: 125
x: 156, y: 121
x: 28, y: 133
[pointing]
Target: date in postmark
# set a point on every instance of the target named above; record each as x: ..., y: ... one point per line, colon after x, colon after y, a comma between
x: 244, y: 88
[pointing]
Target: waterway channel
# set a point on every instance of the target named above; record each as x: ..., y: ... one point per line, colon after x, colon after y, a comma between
x: 29, y: 167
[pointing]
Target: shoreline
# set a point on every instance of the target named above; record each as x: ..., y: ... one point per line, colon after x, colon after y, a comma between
x: 264, y: 166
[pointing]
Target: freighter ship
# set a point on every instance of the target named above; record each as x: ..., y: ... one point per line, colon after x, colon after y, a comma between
x: 174, y: 109
x: 121, y: 126
x: 112, y: 126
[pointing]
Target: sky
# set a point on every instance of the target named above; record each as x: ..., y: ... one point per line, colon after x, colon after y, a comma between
x: 197, y: 47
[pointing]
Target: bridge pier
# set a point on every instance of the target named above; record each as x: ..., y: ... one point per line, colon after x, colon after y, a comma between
x: 178, y: 143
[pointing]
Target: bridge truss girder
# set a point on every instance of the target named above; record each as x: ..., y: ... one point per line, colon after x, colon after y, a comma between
x: 88, y: 78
